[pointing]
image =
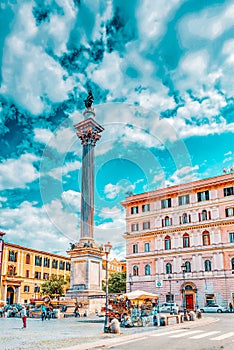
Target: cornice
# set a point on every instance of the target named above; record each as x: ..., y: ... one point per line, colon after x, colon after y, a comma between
x: 190, y: 187
x: 179, y: 229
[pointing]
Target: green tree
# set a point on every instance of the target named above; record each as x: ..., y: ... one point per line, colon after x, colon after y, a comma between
x: 54, y: 287
x: 117, y: 283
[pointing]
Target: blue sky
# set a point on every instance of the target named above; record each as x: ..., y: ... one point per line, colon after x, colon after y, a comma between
x: 161, y: 75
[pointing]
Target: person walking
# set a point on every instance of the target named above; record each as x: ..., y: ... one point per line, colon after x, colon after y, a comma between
x: 230, y: 307
x: 43, y: 312
x: 24, y: 316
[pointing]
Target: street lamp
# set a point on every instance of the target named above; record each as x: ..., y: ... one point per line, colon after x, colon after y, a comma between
x: 35, y: 291
x: 184, y: 269
x: 130, y: 282
x: 169, y: 279
x: 107, y: 247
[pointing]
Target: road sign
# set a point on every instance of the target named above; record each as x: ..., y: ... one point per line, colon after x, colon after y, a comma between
x: 159, y: 283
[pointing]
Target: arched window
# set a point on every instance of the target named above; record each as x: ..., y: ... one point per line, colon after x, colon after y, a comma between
x: 204, y: 215
x: 188, y: 266
x: 168, y: 268
x: 28, y: 259
x: 185, y: 218
x: 232, y: 263
x: 135, y: 270
x: 167, y: 243
x: 186, y: 242
x: 147, y: 270
x: 167, y: 221
x: 206, y: 238
x: 207, y: 265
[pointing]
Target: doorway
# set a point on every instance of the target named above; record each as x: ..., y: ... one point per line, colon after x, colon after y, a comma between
x: 10, y: 295
x: 189, y: 302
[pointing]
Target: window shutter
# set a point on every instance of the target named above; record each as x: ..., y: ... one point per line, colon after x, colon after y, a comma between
x: 199, y: 216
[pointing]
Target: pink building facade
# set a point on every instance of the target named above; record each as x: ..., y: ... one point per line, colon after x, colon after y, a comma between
x: 180, y: 242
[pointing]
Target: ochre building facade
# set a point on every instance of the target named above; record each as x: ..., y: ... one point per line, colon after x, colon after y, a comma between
x: 180, y: 242
x: 24, y: 270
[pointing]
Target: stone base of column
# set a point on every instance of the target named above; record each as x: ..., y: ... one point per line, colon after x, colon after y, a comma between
x: 86, y: 274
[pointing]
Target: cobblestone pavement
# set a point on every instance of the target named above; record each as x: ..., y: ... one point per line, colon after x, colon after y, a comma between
x: 54, y: 333
x: 64, y: 333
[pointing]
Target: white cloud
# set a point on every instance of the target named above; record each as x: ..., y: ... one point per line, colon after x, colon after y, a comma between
x: 209, y: 23
x: 111, y: 191
x: 72, y: 199
x: 183, y: 175
x: 58, y: 173
x: 36, y: 74
x: 48, y: 228
x: 63, y: 139
x: 17, y: 173
x: 157, y: 14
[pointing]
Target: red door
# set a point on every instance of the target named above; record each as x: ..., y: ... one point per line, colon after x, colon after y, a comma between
x: 189, y: 302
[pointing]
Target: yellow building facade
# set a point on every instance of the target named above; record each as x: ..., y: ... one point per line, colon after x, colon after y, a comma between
x: 24, y: 270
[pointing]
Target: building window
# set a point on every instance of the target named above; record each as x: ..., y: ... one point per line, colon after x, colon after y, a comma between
x: 231, y: 237
x: 207, y: 265
x: 168, y: 268
x: 135, y: 270
x: 203, y: 196
x: 184, y: 199
x: 167, y: 221
x: 186, y: 242
x: 146, y: 225
x: 46, y: 276
x: 28, y: 259
x: 206, y: 238
x: 54, y: 264
x: 135, y: 227
x: 147, y: 247
x: 134, y: 210
x: 167, y: 243
x: 145, y: 207
x: 229, y: 212
x: 38, y: 275
x: 188, y: 266
x: 166, y: 203
x: 204, y: 215
x: 27, y: 274
x: 135, y: 248
x: 12, y: 256
x: 61, y: 265
x: 38, y: 260
x: 185, y: 218
x: 46, y: 262
x: 228, y: 191
x: 147, y: 270
x: 68, y: 266
x: 26, y: 288
x: 232, y: 263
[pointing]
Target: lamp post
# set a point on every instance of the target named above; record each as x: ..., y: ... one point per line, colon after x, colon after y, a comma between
x: 183, y: 268
x: 130, y: 282
x: 169, y: 279
x: 35, y: 291
x: 107, y: 247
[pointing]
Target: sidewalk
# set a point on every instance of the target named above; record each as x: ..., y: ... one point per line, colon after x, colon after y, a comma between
x: 111, y: 339
x: 72, y: 333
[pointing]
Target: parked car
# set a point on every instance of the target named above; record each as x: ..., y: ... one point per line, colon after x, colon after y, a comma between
x: 168, y: 307
x: 213, y: 308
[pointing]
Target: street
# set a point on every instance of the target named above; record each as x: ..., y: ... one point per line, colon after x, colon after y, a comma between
x: 218, y: 335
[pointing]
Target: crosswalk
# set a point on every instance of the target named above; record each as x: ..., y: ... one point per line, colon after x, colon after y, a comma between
x: 195, y: 334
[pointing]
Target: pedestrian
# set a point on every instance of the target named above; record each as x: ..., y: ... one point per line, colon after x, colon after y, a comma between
x: 24, y: 316
x: 230, y: 307
x: 43, y: 312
